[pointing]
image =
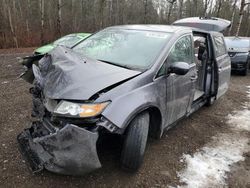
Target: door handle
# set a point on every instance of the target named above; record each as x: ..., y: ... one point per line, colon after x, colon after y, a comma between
x: 220, y: 69
x: 193, y: 78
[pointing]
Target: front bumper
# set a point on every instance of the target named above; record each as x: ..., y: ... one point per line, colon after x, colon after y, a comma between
x: 70, y: 150
x: 238, y: 66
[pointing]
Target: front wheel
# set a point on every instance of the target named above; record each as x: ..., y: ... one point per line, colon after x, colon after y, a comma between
x: 135, y: 142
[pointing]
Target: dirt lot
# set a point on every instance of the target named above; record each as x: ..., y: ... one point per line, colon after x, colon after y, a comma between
x: 162, y: 160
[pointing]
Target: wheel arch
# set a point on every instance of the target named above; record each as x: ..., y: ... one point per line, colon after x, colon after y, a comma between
x: 155, y: 121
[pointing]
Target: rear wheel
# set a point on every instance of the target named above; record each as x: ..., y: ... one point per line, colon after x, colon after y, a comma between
x: 135, y: 142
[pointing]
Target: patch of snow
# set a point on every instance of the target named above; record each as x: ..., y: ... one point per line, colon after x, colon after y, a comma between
x: 208, y: 167
x: 240, y: 120
x: 5, y: 82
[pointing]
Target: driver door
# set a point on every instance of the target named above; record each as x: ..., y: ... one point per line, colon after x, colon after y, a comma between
x: 180, y: 88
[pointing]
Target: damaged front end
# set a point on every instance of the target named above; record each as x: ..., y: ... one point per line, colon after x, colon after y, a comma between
x: 70, y: 150
x: 58, y: 144
x: 68, y: 122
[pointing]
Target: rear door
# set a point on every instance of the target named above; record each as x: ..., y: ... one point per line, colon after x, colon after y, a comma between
x: 222, y: 64
x: 180, y: 88
x: 207, y: 24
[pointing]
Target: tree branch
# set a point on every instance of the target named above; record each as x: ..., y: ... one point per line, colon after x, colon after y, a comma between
x: 171, y: 1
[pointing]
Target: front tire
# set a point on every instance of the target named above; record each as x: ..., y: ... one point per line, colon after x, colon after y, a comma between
x: 135, y: 142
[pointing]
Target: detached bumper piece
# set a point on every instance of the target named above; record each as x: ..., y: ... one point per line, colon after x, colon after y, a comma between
x: 70, y: 150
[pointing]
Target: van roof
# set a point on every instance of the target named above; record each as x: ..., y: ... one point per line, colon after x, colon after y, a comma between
x: 150, y: 27
x: 161, y: 28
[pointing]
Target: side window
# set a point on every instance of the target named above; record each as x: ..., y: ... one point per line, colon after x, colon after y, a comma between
x: 162, y: 71
x: 220, y: 47
x: 181, y: 51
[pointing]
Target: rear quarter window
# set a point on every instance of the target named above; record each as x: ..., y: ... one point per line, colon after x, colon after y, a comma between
x: 220, y: 47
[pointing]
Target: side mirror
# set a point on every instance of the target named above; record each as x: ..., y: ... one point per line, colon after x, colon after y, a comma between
x: 179, y: 68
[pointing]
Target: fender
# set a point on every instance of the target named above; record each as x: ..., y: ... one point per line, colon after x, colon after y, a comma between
x: 121, y: 111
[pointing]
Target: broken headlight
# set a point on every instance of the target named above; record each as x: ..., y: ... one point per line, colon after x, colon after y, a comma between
x: 71, y: 109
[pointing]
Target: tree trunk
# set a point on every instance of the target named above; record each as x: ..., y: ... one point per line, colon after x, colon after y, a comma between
x: 247, y: 19
x: 169, y: 13
x: 145, y: 11
x: 42, y: 21
x: 74, y: 16
x: 27, y: 28
x: 211, y: 7
x: 170, y: 10
x: 12, y: 27
x: 207, y: 2
x: 242, y: 5
x: 111, y: 12
x: 195, y: 7
x: 232, y: 18
x: 180, y: 9
x: 219, y: 8
x: 27, y: 19
x: 101, y: 8
x: 59, y: 18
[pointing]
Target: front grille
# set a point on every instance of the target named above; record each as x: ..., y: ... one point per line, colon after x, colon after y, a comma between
x: 237, y: 65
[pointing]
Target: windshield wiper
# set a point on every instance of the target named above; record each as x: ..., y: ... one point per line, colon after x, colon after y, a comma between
x: 118, y: 65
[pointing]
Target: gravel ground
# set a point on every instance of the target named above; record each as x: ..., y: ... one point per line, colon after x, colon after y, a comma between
x: 162, y: 159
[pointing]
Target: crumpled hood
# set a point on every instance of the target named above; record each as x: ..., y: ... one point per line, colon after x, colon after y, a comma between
x: 65, y: 74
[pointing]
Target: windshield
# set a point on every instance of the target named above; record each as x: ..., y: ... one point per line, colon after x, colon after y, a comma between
x: 68, y: 41
x: 237, y: 43
x: 125, y: 48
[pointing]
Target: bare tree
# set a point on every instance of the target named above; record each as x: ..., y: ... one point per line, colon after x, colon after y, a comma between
x: 11, y: 23
x: 247, y: 18
x: 195, y: 3
x: 145, y: 10
x: 59, y: 17
x: 232, y: 17
x: 20, y: 19
x: 111, y: 12
x: 171, y: 3
x: 101, y: 10
x: 180, y: 9
x: 27, y: 20
x: 206, y: 4
x: 242, y: 6
x: 211, y: 7
x: 219, y: 8
x: 42, y: 21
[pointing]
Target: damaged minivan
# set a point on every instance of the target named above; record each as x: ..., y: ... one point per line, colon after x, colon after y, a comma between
x: 135, y: 81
